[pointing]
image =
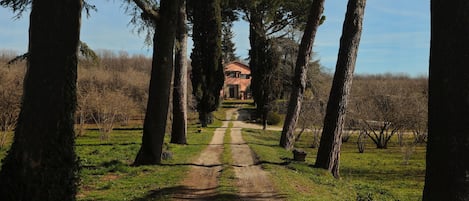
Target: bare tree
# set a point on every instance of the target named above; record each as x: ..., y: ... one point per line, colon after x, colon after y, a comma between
x: 10, y: 96
x: 106, y: 108
x: 384, y: 106
x: 329, y: 149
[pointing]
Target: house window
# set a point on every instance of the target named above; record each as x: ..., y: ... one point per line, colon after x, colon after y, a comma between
x: 233, y: 74
x: 245, y: 76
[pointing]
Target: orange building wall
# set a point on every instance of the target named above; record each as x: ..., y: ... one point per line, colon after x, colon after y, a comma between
x: 241, y: 82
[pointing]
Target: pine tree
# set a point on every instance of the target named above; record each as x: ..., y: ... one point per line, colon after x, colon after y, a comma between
x: 268, y: 20
x: 154, y: 125
x: 179, y: 124
x: 207, y: 70
x: 228, y: 47
x: 287, y: 139
x: 331, y: 139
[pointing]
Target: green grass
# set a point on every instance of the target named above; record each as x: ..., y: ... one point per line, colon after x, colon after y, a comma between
x: 6, y: 145
x: 237, y: 103
x: 107, y: 173
x: 227, y: 189
x: 373, y: 175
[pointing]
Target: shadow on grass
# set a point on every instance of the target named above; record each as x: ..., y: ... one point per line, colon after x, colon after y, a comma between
x: 247, y: 114
x: 116, y: 164
x: 106, y: 144
x: 119, y: 129
x: 186, y: 193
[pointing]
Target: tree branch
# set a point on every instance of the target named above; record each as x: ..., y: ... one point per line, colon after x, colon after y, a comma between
x: 147, y: 9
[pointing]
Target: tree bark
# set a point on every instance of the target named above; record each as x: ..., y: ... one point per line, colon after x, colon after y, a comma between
x: 329, y: 149
x: 154, y: 125
x: 42, y: 164
x: 287, y: 139
x: 447, y: 161
x: 179, y: 124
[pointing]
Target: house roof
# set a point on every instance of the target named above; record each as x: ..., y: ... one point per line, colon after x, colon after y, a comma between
x: 238, y: 66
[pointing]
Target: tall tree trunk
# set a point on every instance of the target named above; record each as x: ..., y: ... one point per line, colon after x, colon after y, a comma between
x: 42, y: 164
x: 329, y: 148
x: 154, y: 125
x: 179, y: 124
x: 287, y: 139
x: 447, y: 160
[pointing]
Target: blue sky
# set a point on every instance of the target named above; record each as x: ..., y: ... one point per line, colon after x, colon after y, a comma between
x: 395, y: 38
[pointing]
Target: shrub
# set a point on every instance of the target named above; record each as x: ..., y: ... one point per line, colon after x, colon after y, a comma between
x: 273, y: 118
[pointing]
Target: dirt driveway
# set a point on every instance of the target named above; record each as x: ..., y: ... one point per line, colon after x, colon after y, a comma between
x: 253, y: 183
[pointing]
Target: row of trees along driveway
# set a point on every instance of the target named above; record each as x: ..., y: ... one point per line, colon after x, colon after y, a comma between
x: 42, y: 165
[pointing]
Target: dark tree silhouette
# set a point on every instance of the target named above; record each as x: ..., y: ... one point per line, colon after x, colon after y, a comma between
x: 331, y: 139
x: 228, y: 16
x: 207, y: 70
x: 447, y: 161
x: 263, y: 62
x: 228, y: 47
x: 42, y: 164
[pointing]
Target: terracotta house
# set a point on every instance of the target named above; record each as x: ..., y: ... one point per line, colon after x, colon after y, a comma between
x: 237, y: 81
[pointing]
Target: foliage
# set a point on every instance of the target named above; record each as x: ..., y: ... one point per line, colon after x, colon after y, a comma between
x: 228, y: 15
x: 279, y: 17
x: 141, y: 21
x: 207, y: 70
x: 263, y: 61
x: 273, y: 118
x: 268, y: 21
x: 227, y: 46
x: 18, y: 6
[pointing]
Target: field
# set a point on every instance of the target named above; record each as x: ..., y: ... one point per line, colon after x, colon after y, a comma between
x: 396, y: 173
x: 388, y: 174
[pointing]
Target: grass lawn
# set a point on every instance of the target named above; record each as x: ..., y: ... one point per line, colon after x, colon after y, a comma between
x: 107, y: 174
x: 373, y: 175
x: 106, y: 171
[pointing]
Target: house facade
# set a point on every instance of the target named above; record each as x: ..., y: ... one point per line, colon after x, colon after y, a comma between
x: 237, y: 81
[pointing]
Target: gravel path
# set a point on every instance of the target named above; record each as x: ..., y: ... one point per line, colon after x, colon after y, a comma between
x: 253, y: 182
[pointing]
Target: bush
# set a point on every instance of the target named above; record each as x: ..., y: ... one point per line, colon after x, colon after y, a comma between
x: 273, y: 118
